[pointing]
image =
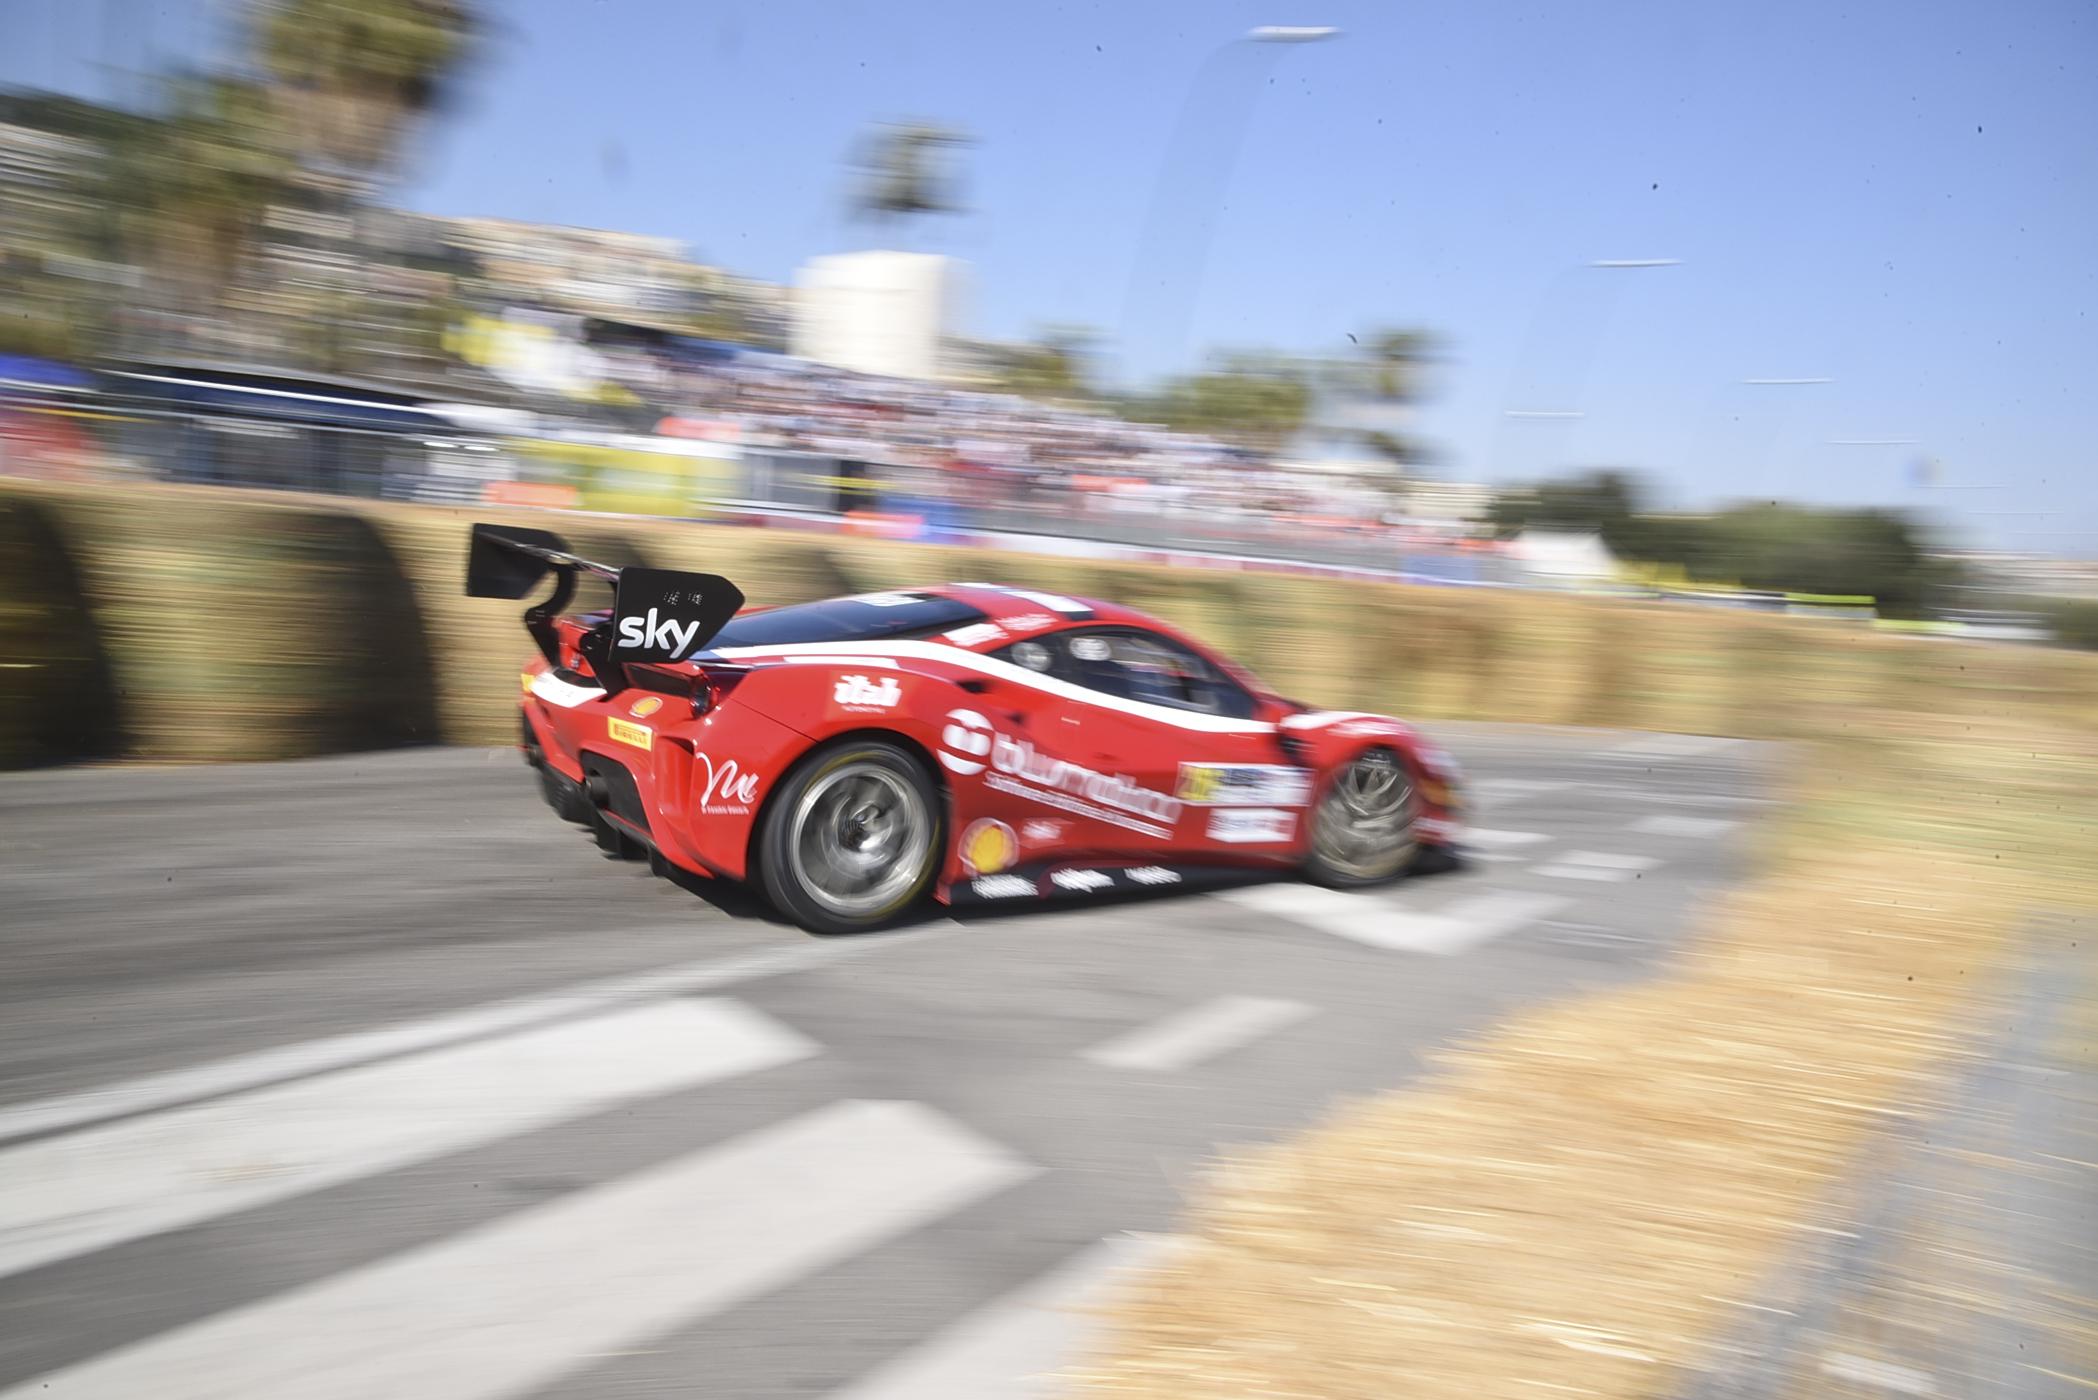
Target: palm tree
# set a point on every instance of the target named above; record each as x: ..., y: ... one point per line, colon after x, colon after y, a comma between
x: 352, y: 75
x: 904, y: 171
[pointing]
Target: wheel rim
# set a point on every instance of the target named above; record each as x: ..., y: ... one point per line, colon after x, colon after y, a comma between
x: 862, y: 833
x: 1363, y: 827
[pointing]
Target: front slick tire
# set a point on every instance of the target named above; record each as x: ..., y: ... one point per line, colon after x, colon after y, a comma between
x: 853, y: 837
x: 1362, y: 829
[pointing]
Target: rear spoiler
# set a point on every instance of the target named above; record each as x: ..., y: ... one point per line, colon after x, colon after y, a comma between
x: 658, y: 615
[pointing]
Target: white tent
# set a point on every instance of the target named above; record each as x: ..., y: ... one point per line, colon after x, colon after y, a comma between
x: 1563, y: 558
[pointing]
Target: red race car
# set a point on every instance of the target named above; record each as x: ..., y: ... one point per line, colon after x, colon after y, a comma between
x: 983, y: 743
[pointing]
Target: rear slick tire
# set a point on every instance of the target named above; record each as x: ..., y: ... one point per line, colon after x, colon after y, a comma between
x: 853, y: 837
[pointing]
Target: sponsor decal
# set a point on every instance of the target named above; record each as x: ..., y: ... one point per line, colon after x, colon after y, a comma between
x: 1033, y: 771
x: 651, y: 633
x: 1243, y: 784
x: 988, y: 846
x: 1152, y: 875
x: 639, y: 736
x: 1040, y: 831
x: 1239, y: 825
x: 964, y: 741
x: 729, y: 791
x: 1027, y: 622
x: 1081, y: 881
x: 967, y: 739
x: 646, y: 706
x: 1366, y: 728
x: 524, y: 678
x: 856, y: 692
x: 1089, y: 648
x: 975, y: 634
x: 1003, y: 887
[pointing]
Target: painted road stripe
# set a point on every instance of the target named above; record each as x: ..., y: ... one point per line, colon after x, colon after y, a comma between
x: 1013, y: 1348
x: 1455, y: 928
x: 1866, y: 1370
x: 164, y: 1090
x: 102, y: 1186
x: 1199, y: 1033
x: 1698, y: 828
x: 514, y: 1305
x: 1488, y: 839
x: 1499, y: 788
x: 1595, y: 865
x: 1671, y: 746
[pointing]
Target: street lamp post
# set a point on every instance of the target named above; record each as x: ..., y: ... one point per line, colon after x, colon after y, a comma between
x: 1178, y: 271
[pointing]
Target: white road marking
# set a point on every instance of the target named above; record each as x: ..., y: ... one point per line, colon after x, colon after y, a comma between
x: 1903, y: 1380
x: 163, y: 1090
x: 1497, y: 788
x: 1455, y: 928
x: 1582, y: 872
x: 1609, y: 860
x: 1199, y: 1033
x: 1011, y: 1349
x: 102, y: 1186
x: 1595, y: 865
x: 1671, y: 746
x: 515, y: 1305
x: 1486, y: 838
x: 1695, y: 827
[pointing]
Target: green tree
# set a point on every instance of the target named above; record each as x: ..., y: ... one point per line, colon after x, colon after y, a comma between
x: 1254, y: 398
x: 1057, y: 364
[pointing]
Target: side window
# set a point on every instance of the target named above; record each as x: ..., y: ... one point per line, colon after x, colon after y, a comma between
x: 1145, y: 666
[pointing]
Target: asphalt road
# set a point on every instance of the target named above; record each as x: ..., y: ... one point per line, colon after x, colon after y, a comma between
x: 366, y: 1076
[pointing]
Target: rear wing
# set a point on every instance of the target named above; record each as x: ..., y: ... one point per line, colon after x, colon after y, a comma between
x: 658, y: 615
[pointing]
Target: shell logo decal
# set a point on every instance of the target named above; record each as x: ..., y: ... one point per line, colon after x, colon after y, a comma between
x: 646, y: 706
x: 988, y: 846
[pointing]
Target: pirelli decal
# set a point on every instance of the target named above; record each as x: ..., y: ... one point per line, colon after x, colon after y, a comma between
x: 623, y: 731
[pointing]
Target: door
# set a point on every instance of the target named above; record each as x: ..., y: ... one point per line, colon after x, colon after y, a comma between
x: 1179, y: 748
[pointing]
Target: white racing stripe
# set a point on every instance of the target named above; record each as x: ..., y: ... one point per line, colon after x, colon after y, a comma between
x: 1454, y: 929
x: 1199, y: 1033
x: 102, y: 1186
x: 171, y: 1087
x: 551, y: 688
x: 1011, y: 1349
x: 961, y: 659
x: 514, y: 1305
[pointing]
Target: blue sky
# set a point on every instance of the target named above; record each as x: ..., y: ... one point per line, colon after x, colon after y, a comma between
x: 1901, y: 198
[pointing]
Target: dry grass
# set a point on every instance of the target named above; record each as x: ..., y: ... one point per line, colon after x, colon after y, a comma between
x: 1580, y: 1203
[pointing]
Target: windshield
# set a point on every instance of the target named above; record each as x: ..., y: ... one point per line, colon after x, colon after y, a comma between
x: 862, y: 618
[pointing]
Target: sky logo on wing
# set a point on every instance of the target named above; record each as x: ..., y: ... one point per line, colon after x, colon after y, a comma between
x: 651, y: 633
